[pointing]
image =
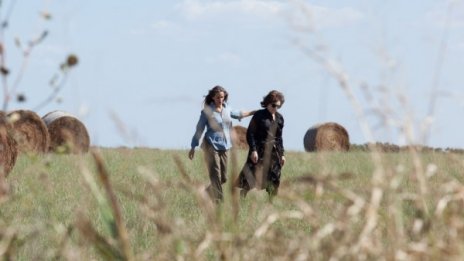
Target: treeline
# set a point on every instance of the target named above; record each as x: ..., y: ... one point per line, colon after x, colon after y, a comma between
x: 389, y: 147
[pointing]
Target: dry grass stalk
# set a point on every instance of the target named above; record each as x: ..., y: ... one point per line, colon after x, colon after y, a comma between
x: 122, y: 236
x: 201, y: 196
x: 93, y: 237
x: 233, y: 190
x: 8, y: 238
x: 239, y: 140
x: 152, y: 209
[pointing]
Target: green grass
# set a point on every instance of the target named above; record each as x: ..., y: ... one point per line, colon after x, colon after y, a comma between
x: 167, y: 216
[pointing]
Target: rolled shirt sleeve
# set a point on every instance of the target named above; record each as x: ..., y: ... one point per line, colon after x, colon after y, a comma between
x: 236, y: 114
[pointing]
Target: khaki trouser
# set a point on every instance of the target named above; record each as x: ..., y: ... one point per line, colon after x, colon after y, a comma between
x: 216, y: 162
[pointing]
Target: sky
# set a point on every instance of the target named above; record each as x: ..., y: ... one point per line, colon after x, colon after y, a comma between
x: 387, y: 71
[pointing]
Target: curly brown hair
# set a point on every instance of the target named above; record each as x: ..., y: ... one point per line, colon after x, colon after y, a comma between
x: 272, y: 97
x: 211, y: 93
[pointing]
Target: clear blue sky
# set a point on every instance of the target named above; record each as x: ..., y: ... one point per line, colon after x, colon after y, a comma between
x: 144, y: 66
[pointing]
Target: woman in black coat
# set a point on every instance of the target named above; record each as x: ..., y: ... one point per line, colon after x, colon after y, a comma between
x: 266, y: 155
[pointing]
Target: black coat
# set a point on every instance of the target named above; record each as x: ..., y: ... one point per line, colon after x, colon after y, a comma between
x: 264, y: 135
x: 264, y: 130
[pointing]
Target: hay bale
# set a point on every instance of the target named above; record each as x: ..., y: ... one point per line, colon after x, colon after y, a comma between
x: 328, y: 136
x: 238, y: 134
x: 29, y: 131
x: 67, y: 133
x: 8, y: 146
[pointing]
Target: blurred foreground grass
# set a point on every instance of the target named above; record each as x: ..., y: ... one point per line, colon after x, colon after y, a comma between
x: 356, y: 205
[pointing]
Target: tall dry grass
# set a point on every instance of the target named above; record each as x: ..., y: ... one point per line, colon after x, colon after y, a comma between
x: 146, y: 204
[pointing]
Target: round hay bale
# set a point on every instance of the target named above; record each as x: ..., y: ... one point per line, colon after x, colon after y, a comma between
x: 8, y: 146
x: 328, y: 136
x: 239, y: 137
x: 29, y: 131
x: 67, y: 133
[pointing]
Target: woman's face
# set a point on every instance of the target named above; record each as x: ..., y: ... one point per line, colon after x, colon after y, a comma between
x: 274, y: 106
x: 219, y: 98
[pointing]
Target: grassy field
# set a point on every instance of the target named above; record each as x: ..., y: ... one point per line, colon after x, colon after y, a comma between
x: 149, y: 204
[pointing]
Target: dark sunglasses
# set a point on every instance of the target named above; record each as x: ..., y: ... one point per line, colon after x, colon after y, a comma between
x: 276, y: 106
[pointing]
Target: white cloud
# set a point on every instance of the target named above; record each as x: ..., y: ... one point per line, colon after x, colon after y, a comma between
x: 337, y: 17
x: 299, y: 12
x: 195, y: 9
x: 320, y: 17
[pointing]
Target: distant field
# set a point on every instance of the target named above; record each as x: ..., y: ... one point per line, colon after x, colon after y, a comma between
x: 353, y: 206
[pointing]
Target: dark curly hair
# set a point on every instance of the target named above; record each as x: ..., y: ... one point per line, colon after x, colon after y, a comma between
x: 272, y: 97
x: 211, y: 93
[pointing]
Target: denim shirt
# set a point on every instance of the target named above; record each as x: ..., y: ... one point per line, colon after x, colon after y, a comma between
x: 218, y: 126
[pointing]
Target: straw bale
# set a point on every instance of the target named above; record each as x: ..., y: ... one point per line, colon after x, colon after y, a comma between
x: 67, y: 133
x: 328, y: 136
x: 29, y: 131
x: 239, y: 137
x: 8, y: 146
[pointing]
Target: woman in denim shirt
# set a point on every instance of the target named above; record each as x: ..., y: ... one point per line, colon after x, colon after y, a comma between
x: 216, y: 117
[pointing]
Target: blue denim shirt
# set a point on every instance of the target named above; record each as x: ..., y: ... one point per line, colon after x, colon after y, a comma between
x: 218, y: 126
